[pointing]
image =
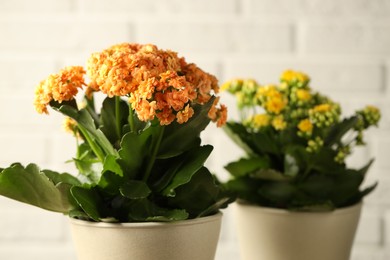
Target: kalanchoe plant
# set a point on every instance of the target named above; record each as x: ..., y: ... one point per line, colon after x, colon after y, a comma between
x: 139, y: 156
x: 295, y: 142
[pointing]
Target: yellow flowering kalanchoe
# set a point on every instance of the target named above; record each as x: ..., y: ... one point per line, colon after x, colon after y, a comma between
x: 297, y: 136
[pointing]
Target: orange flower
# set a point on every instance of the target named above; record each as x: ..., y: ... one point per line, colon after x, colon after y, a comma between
x: 216, y: 114
x: 185, y: 114
x: 166, y: 116
x: 62, y: 86
x: 145, y: 110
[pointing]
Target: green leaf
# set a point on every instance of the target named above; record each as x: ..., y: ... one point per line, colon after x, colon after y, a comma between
x: 245, y: 166
x: 134, y: 148
x: 89, y: 201
x: 197, y: 195
x: 193, y: 161
x: 112, y: 175
x: 30, y: 185
x: 269, y: 175
x: 56, y: 178
x: 239, y: 135
x: 278, y: 192
x: 347, y: 187
x: 145, y: 210
x: 337, y: 132
x: 108, y: 118
x: 265, y: 143
x: 184, y: 136
x: 318, y: 186
x: 135, y: 190
x: 85, y: 121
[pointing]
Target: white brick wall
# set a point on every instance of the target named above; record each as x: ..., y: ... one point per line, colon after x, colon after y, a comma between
x: 343, y: 45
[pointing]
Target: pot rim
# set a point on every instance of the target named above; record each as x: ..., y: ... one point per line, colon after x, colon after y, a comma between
x: 279, y: 211
x: 212, y: 218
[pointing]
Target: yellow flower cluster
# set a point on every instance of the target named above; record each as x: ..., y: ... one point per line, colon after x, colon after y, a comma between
x: 157, y: 83
x: 291, y: 108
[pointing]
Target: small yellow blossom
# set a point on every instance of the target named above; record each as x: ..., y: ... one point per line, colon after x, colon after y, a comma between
x: 303, y: 95
x: 275, y: 105
x: 260, y: 120
x: 278, y: 123
x: 322, y: 108
x: 291, y: 76
x: 305, y: 126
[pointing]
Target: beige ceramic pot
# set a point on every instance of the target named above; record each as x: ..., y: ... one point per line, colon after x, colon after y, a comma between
x: 275, y: 234
x: 194, y: 239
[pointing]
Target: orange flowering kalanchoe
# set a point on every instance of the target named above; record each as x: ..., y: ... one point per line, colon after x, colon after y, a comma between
x: 157, y: 83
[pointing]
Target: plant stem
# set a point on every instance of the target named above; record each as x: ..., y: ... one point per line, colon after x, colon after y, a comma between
x: 94, y: 146
x: 131, y: 119
x: 156, y: 147
x: 118, y: 117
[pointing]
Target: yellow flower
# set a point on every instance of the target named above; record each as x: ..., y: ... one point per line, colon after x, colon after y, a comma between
x: 305, y: 126
x: 278, y: 123
x: 260, y: 120
x: 275, y: 105
x: 322, y: 108
x: 291, y: 76
x: 303, y: 95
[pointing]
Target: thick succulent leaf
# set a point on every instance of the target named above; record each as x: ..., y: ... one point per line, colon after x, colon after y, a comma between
x: 269, y: 175
x: 265, y: 143
x: 89, y: 200
x: 245, y: 166
x: 108, y: 118
x: 318, y: 186
x: 347, y: 186
x: 192, y: 162
x: 30, y: 185
x: 146, y: 210
x: 337, y: 132
x: 239, y: 135
x: 134, y: 147
x: 56, y: 178
x: 278, y: 192
x: 184, y: 136
x: 165, y: 179
x: 201, y: 189
x: 112, y: 175
x: 135, y: 190
x: 84, y: 119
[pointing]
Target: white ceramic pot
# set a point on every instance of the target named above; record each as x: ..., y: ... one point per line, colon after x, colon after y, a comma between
x: 276, y: 234
x: 194, y: 239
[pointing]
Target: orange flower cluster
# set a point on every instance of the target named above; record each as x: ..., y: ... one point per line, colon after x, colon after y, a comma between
x: 62, y: 86
x: 157, y: 83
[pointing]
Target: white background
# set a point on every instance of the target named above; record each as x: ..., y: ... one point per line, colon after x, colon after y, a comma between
x: 343, y: 45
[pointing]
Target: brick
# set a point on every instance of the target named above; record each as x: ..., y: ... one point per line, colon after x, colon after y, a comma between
x: 162, y: 6
x: 37, y: 6
x: 41, y: 225
x: 185, y: 37
x: 217, y: 37
x: 328, y: 75
x: 339, y: 37
x: 22, y: 148
x: 318, y: 7
x: 62, y: 35
x: 23, y: 74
